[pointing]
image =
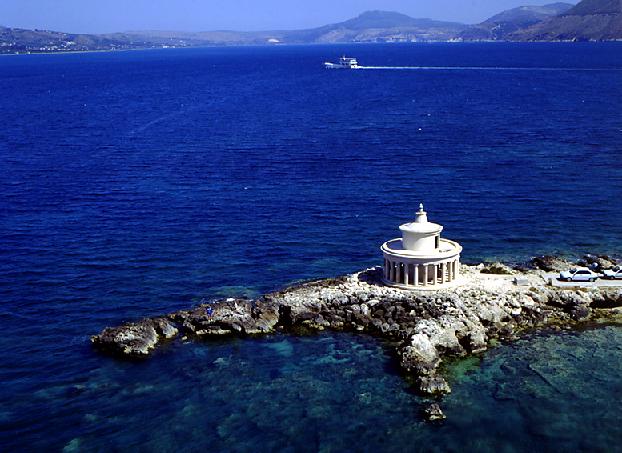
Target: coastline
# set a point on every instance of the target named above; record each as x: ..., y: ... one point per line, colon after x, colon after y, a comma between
x: 493, y: 303
x: 233, y: 45
x: 76, y: 52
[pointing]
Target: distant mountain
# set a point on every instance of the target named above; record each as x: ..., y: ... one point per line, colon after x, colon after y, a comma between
x: 500, y: 26
x: 371, y: 26
x: 590, y: 20
x: 389, y: 19
x: 377, y: 26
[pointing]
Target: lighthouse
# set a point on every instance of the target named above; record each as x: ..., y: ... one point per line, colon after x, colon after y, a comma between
x: 421, y: 259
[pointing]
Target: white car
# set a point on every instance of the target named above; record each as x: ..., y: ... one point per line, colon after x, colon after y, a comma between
x: 579, y: 274
x: 614, y: 273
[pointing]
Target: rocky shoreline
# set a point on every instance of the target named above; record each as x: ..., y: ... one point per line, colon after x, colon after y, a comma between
x: 493, y: 302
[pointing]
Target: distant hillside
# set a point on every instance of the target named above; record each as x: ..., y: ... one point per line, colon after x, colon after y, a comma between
x: 16, y: 40
x: 389, y: 19
x: 378, y: 26
x: 500, y: 26
x: 371, y: 26
x: 590, y: 20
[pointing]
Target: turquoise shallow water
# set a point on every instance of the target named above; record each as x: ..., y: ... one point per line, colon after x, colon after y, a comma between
x: 139, y: 183
x: 338, y: 392
x: 546, y: 392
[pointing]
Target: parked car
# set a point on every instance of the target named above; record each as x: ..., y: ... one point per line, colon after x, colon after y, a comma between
x: 614, y: 273
x: 579, y: 274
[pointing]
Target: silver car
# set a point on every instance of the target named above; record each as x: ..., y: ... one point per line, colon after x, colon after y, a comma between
x: 614, y: 273
x: 579, y: 274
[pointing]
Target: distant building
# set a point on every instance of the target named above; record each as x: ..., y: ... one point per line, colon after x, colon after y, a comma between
x: 420, y: 259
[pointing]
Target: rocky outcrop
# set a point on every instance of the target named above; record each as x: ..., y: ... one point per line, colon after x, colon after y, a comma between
x: 497, y: 269
x: 597, y: 263
x: 134, y: 339
x: 426, y: 327
x: 550, y: 263
x: 434, y: 413
x: 229, y: 317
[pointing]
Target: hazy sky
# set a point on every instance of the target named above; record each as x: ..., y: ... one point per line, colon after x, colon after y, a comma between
x: 97, y: 16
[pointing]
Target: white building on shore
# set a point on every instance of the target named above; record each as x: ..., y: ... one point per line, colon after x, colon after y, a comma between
x: 420, y: 259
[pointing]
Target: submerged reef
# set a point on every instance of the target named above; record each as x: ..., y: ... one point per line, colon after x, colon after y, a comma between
x: 493, y: 302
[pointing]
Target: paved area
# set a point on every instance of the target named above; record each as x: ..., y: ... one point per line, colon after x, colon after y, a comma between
x: 600, y: 283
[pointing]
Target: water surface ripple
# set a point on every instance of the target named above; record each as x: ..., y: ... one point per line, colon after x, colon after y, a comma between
x: 139, y: 183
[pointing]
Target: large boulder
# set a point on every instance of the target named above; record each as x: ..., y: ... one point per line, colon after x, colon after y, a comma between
x: 597, y: 263
x: 265, y: 317
x: 420, y: 356
x: 497, y: 269
x: 232, y: 316
x: 474, y: 339
x: 165, y: 328
x: 434, y: 413
x: 433, y: 385
x: 549, y: 263
x: 134, y: 339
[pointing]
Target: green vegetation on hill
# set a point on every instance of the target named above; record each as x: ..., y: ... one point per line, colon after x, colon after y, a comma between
x: 590, y: 20
x: 16, y: 40
x: 590, y: 7
x: 500, y: 26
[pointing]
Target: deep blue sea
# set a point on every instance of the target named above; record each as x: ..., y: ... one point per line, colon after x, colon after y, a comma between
x: 138, y: 183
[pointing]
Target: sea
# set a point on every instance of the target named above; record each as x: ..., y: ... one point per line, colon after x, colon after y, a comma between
x: 139, y: 183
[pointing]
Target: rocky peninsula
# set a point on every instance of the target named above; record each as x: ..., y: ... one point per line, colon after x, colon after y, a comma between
x: 492, y: 302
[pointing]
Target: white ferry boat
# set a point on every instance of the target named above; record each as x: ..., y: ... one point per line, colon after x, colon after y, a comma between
x: 344, y: 63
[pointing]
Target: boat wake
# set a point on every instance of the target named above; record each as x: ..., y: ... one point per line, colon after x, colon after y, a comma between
x: 481, y: 68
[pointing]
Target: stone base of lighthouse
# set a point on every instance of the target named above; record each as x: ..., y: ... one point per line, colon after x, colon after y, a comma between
x: 407, y: 269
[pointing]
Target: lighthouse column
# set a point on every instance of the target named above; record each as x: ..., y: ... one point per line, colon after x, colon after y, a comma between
x: 416, y: 274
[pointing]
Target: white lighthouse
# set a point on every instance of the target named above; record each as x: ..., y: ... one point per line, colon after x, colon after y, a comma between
x: 420, y: 259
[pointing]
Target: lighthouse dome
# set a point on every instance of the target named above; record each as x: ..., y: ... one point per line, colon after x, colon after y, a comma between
x: 421, y: 235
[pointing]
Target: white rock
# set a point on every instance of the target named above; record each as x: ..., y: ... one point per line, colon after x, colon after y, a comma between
x: 423, y: 348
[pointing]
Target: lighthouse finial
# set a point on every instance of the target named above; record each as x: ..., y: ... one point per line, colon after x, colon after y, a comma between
x: 421, y: 216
